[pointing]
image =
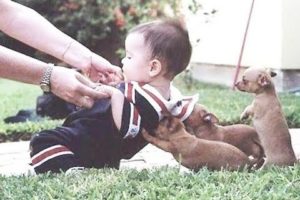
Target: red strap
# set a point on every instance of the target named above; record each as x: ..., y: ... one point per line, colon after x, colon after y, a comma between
x: 242, y: 48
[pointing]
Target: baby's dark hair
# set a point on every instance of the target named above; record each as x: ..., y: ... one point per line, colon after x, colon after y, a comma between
x: 169, y: 43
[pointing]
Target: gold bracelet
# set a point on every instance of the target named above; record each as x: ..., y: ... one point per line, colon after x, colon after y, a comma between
x: 45, y: 80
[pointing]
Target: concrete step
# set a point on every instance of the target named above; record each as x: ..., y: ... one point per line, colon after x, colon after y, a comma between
x: 14, y: 157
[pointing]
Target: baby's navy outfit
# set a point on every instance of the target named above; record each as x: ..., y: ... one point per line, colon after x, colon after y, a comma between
x: 89, y: 138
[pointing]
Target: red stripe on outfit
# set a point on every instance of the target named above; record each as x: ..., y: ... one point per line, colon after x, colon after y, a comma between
x: 135, y: 116
x: 129, y: 92
x: 183, y: 111
x: 158, y: 101
x: 49, y: 153
x: 141, y: 84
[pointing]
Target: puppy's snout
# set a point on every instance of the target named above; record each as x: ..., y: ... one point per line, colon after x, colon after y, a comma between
x: 237, y: 83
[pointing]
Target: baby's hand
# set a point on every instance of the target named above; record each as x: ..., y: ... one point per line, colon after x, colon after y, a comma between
x: 111, y: 78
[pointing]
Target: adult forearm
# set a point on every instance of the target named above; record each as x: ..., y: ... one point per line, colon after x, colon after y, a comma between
x: 16, y: 66
x: 39, y: 33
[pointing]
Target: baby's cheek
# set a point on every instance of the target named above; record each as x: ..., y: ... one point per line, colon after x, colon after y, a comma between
x: 125, y: 78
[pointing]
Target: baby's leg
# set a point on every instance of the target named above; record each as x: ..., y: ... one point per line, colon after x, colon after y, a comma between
x: 48, y: 153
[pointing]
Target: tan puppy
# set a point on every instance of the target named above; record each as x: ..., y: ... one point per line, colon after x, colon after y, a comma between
x: 203, y: 124
x: 268, y: 118
x: 193, y: 152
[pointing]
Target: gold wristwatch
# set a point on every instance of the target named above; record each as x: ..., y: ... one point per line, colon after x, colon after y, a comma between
x: 45, y: 82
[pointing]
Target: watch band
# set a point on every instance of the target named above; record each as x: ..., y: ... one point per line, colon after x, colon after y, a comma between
x: 45, y: 81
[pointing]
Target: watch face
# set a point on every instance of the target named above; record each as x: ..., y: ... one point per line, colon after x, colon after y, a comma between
x: 45, y: 87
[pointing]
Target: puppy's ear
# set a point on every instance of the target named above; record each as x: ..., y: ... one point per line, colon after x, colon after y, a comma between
x: 263, y: 80
x: 273, y: 74
x: 210, y: 118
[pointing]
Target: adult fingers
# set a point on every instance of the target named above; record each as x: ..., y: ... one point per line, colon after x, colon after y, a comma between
x: 74, y: 87
x: 64, y: 84
x: 84, y: 80
x: 87, y: 88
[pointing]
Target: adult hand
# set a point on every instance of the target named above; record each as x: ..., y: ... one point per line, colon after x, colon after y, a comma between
x: 73, y: 87
x: 100, y: 66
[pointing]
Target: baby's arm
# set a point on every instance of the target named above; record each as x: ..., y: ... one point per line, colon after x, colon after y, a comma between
x: 117, y: 101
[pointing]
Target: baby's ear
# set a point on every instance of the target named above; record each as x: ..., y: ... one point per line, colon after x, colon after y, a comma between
x: 155, y: 67
x: 210, y: 118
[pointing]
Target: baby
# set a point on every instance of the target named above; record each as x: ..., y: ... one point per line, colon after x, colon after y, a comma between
x: 111, y: 130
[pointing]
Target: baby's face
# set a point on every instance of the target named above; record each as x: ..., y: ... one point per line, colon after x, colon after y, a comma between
x: 136, y: 63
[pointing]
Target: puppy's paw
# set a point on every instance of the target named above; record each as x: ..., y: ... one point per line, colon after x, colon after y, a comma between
x: 248, y: 112
x: 146, y: 135
x: 174, y: 124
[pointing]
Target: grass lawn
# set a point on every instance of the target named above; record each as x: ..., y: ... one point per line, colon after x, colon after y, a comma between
x: 160, y: 183
x: 14, y: 97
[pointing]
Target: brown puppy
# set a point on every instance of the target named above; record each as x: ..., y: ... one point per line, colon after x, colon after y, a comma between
x: 193, y: 152
x: 203, y: 124
x: 268, y: 118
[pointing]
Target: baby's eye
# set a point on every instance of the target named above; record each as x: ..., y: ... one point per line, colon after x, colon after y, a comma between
x: 128, y: 57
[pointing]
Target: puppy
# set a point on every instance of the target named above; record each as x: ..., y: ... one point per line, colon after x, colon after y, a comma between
x: 268, y: 118
x: 192, y: 152
x: 203, y: 124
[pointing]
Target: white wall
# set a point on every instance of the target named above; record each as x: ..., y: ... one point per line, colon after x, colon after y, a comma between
x: 291, y: 34
x: 273, y: 39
